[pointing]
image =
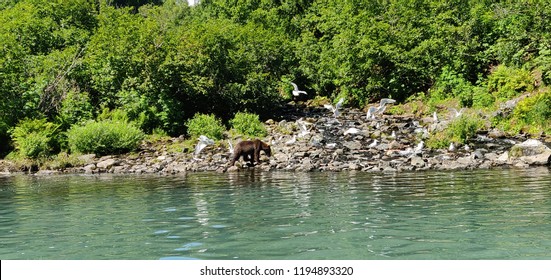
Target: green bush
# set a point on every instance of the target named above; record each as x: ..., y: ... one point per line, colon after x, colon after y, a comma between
x: 507, y: 82
x: 452, y: 85
x: 534, y: 112
x: 208, y: 125
x: 543, y: 61
x: 34, y: 138
x: 458, y: 131
x: 248, y: 124
x: 104, y: 137
x: 75, y: 108
x: 482, y: 98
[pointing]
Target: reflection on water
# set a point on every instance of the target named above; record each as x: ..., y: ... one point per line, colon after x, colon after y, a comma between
x: 498, y: 214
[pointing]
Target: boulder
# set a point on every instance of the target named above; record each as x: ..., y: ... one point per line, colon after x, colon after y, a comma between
x: 353, y: 145
x: 106, y: 164
x: 89, y: 169
x: 417, y: 161
x: 503, y: 158
x: 87, y: 158
x: 531, y: 152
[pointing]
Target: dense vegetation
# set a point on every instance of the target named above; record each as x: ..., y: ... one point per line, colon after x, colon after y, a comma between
x: 64, y: 63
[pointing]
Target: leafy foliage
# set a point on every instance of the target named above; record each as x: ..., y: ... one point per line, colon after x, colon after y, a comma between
x: 507, y: 82
x: 104, y: 137
x: 34, y: 138
x: 248, y: 124
x: 458, y: 131
x: 162, y: 62
x: 208, y: 125
x: 452, y: 85
x: 531, y: 115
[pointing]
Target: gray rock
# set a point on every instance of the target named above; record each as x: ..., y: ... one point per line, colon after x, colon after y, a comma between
x: 496, y: 133
x: 46, y: 172
x: 354, y: 166
x: 531, y: 152
x: 417, y: 161
x: 281, y: 157
x: 353, y: 145
x: 107, y: 163
x: 478, y: 154
x: 503, y: 158
x: 88, y: 158
x: 491, y: 156
x: 177, y: 168
x: 119, y: 169
x: 467, y: 161
x: 89, y: 169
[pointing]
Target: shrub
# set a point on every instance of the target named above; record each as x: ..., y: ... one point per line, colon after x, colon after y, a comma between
x: 34, y: 138
x: 543, y: 61
x: 482, y: 98
x: 506, y: 82
x: 458, y: 131
x: 75, y: 108
x: 208, y: 125
x: 104, y: 137
x: 248, y: 124
x: 61, y: 161
x: 534, y: 112
x: 452, y: 85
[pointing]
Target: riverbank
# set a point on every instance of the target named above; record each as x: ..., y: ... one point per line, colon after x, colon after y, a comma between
x: 313, y: 139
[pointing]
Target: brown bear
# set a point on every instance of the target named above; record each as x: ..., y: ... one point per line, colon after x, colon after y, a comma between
x: 250, y: 151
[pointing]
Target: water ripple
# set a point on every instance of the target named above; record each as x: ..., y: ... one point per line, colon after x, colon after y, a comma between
x: 501, y: 214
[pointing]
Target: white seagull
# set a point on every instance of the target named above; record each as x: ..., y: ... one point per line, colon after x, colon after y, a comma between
x: 372, y: 111
x: 409, y: 152
x: 292, y: 141
x: 372, y: 145
x: 419, y: 148
x: 203, y: 142
x: 296, y: 91
x: 303, y: 129
x: 331, y: 145
x: 458, y: 113
x: 351, y: 130
x: 383, y: 103
x: 230, y: 147
x: 452, y: 147
x: 335, y: 109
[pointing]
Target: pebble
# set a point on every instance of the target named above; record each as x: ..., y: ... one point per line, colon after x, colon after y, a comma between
x: 326, y: 148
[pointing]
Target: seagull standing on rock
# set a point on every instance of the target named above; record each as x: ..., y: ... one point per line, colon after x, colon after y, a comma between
x: 452, y: 147
x: 371, y: 112
x: 351, y: 130
x: 419, y: 148
x: 292, y: 141
x: 372, y: 145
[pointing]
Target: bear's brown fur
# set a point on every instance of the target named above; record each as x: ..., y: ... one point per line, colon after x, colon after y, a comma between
x: 250, y: 151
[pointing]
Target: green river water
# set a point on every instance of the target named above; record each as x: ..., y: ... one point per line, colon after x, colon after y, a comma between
x: 490, y: 214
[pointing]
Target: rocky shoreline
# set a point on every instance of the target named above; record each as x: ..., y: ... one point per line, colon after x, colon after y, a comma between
x: 313, y: 139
